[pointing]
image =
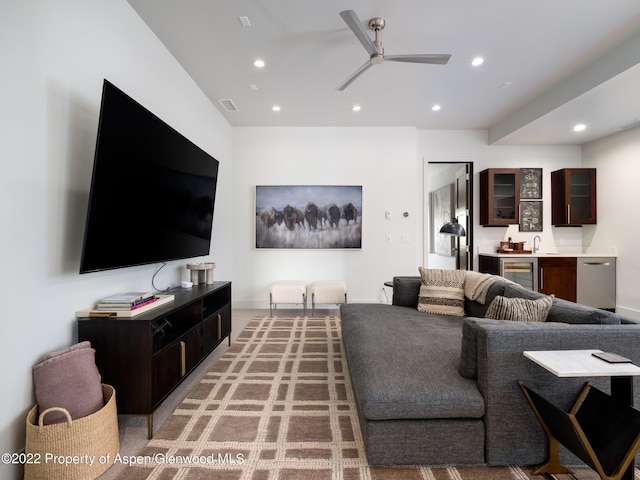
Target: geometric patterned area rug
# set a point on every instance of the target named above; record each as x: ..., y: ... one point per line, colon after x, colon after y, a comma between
x: 278, y: 405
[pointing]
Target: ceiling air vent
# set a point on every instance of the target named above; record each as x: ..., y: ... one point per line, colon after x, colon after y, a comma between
x: 228, y: 105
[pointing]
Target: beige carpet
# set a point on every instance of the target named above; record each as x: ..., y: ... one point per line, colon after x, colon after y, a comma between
x: 279, y: 406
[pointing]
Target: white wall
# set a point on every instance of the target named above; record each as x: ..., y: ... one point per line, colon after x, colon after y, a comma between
x: 616, y: 159
x: 382, y: 160
x: 389, y: 163
x: 54, y: 57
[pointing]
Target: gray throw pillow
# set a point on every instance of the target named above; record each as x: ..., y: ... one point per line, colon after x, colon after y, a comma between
x: 406, y: 290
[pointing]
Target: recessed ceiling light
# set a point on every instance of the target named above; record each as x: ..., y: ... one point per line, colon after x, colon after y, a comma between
x: 356, y: 108
x: 275, y: 108
x: 579, y: 127
x: 259, y: 63
x: 253, y: 87
x: 477, y: 61
x: 244, y: 21
x: 436, y: 108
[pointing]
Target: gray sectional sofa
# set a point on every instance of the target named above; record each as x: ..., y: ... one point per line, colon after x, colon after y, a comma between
x: 441, y: 389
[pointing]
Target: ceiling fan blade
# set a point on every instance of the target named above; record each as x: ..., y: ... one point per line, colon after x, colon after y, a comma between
x: 355, y: 75
x: 419, y: 58
x: 354, y: 23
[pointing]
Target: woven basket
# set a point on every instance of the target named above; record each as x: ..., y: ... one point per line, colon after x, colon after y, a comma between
x: 54, y: 449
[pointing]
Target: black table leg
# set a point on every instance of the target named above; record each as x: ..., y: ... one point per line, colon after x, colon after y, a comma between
x: 622, y: 389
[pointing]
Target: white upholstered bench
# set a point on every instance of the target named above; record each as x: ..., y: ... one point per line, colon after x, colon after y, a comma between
x: 328, y: 291
x: 287, y: 291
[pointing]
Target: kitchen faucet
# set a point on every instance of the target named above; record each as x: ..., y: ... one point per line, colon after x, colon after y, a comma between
x: 536, y: 245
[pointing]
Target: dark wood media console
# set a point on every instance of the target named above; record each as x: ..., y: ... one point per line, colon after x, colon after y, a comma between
x: 146, y: 357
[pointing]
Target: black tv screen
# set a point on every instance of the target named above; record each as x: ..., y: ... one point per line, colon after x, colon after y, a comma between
x: 152, y: 192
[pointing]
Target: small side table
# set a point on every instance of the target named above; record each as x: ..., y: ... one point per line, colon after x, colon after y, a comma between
x: 581, y: 363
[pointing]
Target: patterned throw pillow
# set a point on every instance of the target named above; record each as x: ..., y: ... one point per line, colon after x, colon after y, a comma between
x: 519, y: 309
x: 442, y: 291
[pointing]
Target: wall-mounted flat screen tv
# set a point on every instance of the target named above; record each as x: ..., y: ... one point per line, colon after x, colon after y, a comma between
x: 152, y: 191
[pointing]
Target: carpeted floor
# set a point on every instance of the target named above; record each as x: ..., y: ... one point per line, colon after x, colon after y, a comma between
x: 278, y: 405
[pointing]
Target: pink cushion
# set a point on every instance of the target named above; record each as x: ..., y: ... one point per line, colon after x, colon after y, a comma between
x: 68, y: 379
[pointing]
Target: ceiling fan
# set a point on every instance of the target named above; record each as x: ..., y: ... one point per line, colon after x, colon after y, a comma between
x: 375, y: 50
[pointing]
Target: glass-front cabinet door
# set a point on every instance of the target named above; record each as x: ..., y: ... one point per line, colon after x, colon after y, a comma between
x: 499, y: 196
x: 581, y: 196
x: 573, y: 196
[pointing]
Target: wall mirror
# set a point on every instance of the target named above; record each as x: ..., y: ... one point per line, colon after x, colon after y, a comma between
x: 448, y: 194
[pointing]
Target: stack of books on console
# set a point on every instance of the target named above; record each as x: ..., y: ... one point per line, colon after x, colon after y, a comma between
x: 125, y: 305
x: 126, y: 301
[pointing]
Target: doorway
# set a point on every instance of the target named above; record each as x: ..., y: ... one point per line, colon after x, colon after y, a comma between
x: 448, y: 193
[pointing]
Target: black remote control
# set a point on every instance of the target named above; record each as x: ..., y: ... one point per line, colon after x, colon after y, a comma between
x: 611, y: 357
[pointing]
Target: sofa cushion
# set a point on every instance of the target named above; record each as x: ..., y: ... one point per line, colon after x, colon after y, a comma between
x: 404, y: 364
x: 68, y: 379
x: 565, y: 311
x: 477, y: 309
x: 442, y: 291
x: 519, y: 309
x: 513, y: 290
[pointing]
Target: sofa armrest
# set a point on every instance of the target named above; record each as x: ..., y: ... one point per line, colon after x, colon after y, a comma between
x: 513, y: 435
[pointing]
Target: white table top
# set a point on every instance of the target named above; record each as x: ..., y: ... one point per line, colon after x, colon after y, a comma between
x: 580, y: 363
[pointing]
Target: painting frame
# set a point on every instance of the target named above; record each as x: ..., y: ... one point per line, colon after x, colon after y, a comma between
x: 531, y: 183
x: 308, y: 217
x: 531, y: 216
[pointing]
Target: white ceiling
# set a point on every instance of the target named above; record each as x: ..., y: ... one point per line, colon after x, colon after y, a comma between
x: 548, y: 63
